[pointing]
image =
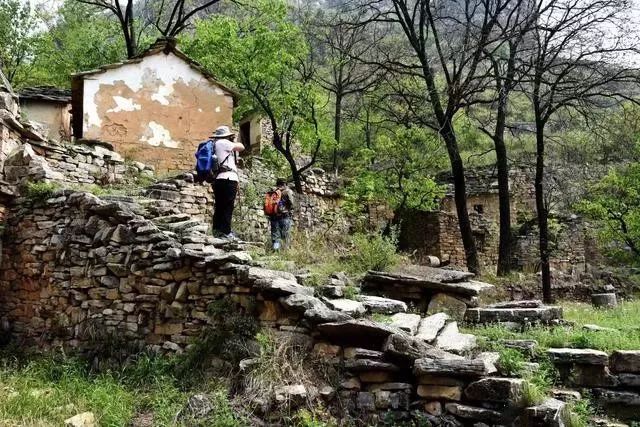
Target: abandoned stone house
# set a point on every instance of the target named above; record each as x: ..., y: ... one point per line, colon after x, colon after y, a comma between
x: 50, y: 107
x: 154, y: 108
x: 437, y: 233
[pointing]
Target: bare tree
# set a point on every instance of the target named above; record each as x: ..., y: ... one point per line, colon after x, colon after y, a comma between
x: 341, y: 51
x: 448, y: 42
x: 577, y: 56
x: 170, y: 17
x: 506, y: 70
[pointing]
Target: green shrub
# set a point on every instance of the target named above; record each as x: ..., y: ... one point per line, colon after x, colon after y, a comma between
x: 374, y: 252
x: 580, y: 413
x: 511, y: 362
x: 40, y: 191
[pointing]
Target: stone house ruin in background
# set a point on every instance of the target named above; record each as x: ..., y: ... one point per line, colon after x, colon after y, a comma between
x: 154, y: 108
x: 50, y: 107
x: 437, y: 233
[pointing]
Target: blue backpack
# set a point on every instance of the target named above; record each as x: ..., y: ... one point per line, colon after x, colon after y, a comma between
x: 207, y: 164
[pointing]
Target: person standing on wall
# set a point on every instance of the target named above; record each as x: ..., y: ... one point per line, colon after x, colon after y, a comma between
x: 278, y: 206
x: 225, y: 185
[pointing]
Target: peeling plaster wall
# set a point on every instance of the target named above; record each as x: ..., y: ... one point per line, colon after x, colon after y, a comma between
x: 155, y: 111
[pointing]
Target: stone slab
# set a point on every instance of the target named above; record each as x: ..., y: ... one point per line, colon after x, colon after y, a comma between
x: 551, y: 413
x: 430, y: 326
x: 382, y: 305
x: 625, y: 361
x: 473, y: 413
x: 578, y: 355
x: 495, y: 389
x: 453, y: 367
x: 361, y: 333
x: 451, y: 340
x: 408, y: 349
x: 407, y: 322
x: 518, y: 315
x: 440, y: 392
x: 444, y: 303
x: 348, y: 306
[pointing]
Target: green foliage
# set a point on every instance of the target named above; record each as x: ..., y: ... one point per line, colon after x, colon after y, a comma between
x: 46, y: 391
x: 511, y: 362
x: 580, y: 412
x: 232, y: 327
x: 614, y: 203
x: 39, y: 191
x: 17, y: 40
x: 351, y: 292
x: 397, y: 171
x: 624, y: 319
x: 374, y: 252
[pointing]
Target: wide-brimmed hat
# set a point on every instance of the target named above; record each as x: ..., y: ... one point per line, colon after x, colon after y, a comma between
x: 222, y: 132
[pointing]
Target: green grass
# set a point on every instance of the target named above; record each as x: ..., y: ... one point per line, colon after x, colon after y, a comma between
x: 44, y: 391
x: 625, y: 319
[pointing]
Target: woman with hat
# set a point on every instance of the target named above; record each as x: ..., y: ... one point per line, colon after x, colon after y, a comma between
x: 225, y: 186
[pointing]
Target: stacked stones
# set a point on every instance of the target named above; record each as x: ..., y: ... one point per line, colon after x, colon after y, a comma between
x: 78, y: 269
x: 436, y: 290
x: 71, y: 163
x: 614, y: 381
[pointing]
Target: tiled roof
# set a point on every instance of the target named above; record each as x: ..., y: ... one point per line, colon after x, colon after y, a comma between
x: 46, y: 93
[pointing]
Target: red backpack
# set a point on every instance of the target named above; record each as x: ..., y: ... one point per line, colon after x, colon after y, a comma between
x: 272, y: 202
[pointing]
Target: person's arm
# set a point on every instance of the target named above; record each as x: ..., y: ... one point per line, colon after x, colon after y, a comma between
x: 237, y: 146
x: 291, y: 199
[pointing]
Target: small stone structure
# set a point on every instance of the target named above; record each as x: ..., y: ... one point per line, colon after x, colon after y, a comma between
x: 614, y: 380
x: 50, y: 107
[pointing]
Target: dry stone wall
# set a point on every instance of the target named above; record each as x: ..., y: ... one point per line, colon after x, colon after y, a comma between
x: 78, y: 271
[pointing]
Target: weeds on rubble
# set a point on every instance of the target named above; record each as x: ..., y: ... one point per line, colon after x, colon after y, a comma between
x: 580, y: 413
x: 511, y: 362
x: 373, y: 251
x: 624, y: 321
x: 39, y: 191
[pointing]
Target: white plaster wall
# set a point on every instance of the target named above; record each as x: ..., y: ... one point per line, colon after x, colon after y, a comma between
x: 168, y: 68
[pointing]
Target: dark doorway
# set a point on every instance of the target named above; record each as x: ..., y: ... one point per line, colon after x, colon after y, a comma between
x: 245, y: 135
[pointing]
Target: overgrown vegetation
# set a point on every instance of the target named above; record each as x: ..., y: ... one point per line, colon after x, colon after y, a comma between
x: 39, y: 191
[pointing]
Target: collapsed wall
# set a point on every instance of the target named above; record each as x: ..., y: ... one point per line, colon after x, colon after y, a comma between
x: 78, y: 270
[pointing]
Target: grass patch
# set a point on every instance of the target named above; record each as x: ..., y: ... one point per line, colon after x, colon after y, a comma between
x: 625, y: 319
x: 40, y: 191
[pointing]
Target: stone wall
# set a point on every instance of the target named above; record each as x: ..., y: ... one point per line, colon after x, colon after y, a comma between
x: 79, y: 272
x: 317, y: 209
x: 64, y: 163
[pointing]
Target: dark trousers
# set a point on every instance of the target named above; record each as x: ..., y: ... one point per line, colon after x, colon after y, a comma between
x: 224, y: 192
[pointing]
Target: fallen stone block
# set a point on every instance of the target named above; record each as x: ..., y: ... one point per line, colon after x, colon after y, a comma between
x: 430, y: 326
x: 361, y: 332
x: 606, y: 300
x: 578, y: 355
x: 625, y: 361
x: 408, y: 349
x: 550, y: 413
x: 383, y: 305
x: 350, y: 307
x: 407, y: 322
x: 494, y: 389
x: 85, y: 419
x: 517, y: 315
x: 444, y: 303
x: 473, y: 413
x: 440, y: 392
x: 450, y: 339
x: 453, y: 367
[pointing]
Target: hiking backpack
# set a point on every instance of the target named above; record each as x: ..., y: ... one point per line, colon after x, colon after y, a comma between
x: 272, y: 203
x: 207, y: 164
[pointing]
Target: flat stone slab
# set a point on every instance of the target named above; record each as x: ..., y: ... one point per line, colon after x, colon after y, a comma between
x: 450, y: 339
x: 490, y: 360
x: 351, y: 307
x: 408, y: 349
x: 281, y: 286
x: 362, y: 353
x: 453, y: 367
x: 532, y: 303
x: 430, y: 326
x: 301, y: 302
x: 429, y: 278
x: 516, y: 315
x: 361, y: 333
x: 609, y: 397
x: 364, y: 365
x: 407, y: 322
x: 258, y: 273
x: 625, y: 361
x: 494, y: 389
x: 323, y: 314
x: 551, y: 412
x: 578, y: 356
x: 473, y: 413
x: 383, y: 305
x: 443, y: 303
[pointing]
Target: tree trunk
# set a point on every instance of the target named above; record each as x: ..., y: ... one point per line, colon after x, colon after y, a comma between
x: 504, y: 246
x: 295, y: 174
x: 337, y: 127
x: 460, y: 196
x: 543, y: 214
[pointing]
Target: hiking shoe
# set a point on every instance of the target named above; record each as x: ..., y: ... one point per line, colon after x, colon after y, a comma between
x: 231, y: 237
